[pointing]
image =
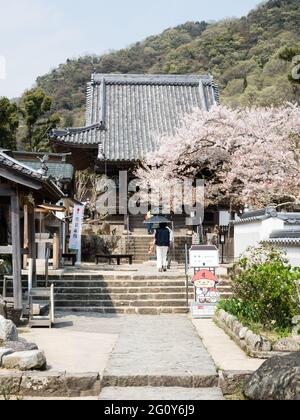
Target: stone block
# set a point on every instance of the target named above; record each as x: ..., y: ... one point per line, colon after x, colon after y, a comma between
x: 81, y: 385
x: 8, y: 330
x: 10, y: 384
x: 4, y: 352
x: 278, y: 379
x: 42, y: 384
x: 230, y: 320
x: 25, y: 361
x: 290, y: 344
x: 253, y: 341
x: 20, y: 345
x: 243, y: 333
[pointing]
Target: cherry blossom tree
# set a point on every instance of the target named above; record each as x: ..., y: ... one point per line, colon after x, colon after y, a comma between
x: 245, y: 156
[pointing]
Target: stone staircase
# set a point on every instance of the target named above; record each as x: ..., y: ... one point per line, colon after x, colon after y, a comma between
x: 122, y: 294
x: 139, y: 247
x: 111, y: 294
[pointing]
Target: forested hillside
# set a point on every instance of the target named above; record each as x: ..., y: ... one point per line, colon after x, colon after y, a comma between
x: 250, y: 59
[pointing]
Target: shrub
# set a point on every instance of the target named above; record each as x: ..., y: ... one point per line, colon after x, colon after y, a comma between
x: 264, y: 287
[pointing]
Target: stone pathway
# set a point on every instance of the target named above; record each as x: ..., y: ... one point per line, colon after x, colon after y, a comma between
x: 161, y: 394
x: 159, y: 351
x: 140, y: 357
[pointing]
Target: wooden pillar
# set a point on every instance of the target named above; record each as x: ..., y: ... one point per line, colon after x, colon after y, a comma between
x: 16, y: 245
x: 32, y: 243
x: 26, y: 236
x: 56, y: 252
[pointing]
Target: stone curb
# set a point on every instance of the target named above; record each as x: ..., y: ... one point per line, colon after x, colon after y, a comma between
x: 209, y: 381
x: 51, y: 384
x: 232, y: 382
x: 244, y: 338
x: 61, y: 384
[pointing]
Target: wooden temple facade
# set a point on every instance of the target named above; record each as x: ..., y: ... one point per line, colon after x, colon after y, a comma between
x: 26, y: 196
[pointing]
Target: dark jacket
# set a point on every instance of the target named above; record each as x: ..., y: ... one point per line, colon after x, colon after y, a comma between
x: 162, y: 237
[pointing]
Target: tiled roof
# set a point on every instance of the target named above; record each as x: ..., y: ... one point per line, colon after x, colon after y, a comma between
x: 283, y: 241
x: 55, y: 169
x: 290, y: 218
x: 284, y: 237
x: 16, y: 166
x: 256, y: 216
x: 126, y: 114
x: 285, y: 234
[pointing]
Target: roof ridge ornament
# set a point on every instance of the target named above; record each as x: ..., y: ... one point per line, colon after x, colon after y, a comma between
x: 44, y: 168
x: 271, y: 211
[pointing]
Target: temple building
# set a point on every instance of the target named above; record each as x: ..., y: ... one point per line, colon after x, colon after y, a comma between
x: 126, y: 115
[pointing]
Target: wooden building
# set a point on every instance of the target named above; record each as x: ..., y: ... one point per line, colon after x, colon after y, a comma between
x: 22, y: 190
x: 126, y: 115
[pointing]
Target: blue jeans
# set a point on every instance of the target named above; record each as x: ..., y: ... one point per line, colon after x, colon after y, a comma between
x: 150, y: 229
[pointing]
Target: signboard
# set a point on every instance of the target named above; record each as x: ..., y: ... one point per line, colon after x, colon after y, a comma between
x: 76, y: 231
x: 204, y: 257
x: 202, y: 311
x: 206, y: 294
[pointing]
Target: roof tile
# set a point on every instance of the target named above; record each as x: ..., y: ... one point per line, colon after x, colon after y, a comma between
x: 138, y: 110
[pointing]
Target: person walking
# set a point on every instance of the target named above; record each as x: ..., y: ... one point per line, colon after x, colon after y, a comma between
x: 149, y: 225
x: 171, y: 247
x: 162, y: 242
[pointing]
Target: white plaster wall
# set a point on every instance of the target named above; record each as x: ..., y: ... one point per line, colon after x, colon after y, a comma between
x: 245, y: 235
x: 252, y: 233
x: 293, y: 254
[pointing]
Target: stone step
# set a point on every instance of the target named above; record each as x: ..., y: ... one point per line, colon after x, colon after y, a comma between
x: 161, y: 394
x: 119, y: 290
x: 110, y: 284
x: 120, y: 297
x: 121, y: 304
x: 124, y: 311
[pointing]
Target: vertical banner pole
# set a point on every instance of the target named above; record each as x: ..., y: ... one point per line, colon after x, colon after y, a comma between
x: 187, y: 275
x: 76, y: 232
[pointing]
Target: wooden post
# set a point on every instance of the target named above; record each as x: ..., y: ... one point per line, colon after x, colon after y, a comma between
x: 26, y: 236
x: 32, y: 244
x: 56, y: 252
x: 16, y: 244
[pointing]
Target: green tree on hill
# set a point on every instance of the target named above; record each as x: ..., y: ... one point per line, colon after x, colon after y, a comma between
x: 292, y: 55
x: 38, y: 119
x: 9, y: 123
x: 242, y: 54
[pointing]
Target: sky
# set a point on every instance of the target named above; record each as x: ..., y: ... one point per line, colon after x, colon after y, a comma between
x: 38, y: 35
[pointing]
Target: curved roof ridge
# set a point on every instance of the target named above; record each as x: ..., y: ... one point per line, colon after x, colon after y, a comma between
x: 149, y: 79
x: 76, y: 130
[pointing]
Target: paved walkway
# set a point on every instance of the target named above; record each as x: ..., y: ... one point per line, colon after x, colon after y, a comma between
x: 159, y: 346
x: 161, y: 394
x: 149, y: 357
x: 224, y: 351
x: 74, y: 351
x: 79, y: 343
x: 134, y: 345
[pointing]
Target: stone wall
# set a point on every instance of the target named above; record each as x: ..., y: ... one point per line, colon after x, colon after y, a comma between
x: 254, y: 345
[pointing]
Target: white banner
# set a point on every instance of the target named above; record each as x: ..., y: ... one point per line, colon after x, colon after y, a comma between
x: 75, y: 238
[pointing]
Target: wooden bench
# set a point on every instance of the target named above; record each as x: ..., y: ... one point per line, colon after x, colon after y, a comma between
x: 72, y: 257
x: 118, y: 258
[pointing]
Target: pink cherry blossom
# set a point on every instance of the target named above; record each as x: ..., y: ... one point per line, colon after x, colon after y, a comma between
x: 248, y: 155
